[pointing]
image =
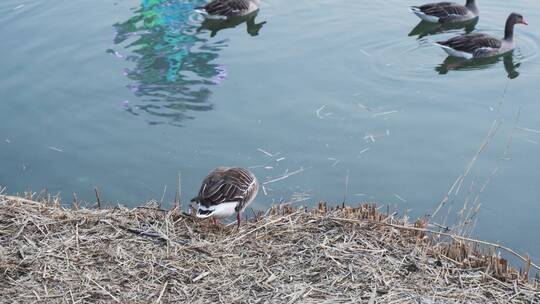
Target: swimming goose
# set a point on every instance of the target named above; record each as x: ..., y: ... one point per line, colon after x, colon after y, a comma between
x: 226, y: 191
x: 478, y: 45
x: 229, y: 8
x: 446, y: 12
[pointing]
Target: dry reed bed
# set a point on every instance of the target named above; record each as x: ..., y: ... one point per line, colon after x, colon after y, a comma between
x: 49, y: 254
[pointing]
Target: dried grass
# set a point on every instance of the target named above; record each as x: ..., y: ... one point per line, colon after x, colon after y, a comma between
x: 49, y: 254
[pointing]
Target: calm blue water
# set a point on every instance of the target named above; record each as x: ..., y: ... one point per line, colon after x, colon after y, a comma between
x: 360, y: 105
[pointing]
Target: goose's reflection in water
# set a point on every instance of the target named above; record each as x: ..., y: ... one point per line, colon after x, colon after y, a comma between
x: 457, y: 64
x: 424, y: 28
x: 174, y: 67
x: 216, y: 25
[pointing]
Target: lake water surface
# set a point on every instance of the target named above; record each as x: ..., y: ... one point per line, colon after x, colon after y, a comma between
x: 347, y: 100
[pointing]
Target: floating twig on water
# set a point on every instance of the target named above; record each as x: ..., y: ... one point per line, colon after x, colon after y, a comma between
x: 364, y: 150
x: 265, y: 152
x: 365, y: 107
x: 55, y: 149
x: 365, y: 53
x: 528, y: 130
x: 384, y: 113
x: 286, y: 175
x: 318, y: 112
x: 400, y: 198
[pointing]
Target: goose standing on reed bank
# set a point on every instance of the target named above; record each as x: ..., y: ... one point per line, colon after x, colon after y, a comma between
x: 226, y: 191
x: 446, y: 12
x: 229, y: 8
x: 478, y: 45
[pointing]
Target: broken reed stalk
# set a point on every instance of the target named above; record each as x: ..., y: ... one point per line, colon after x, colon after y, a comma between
x: 346, y: 188
x: 162, y: 196
x: 98, y: 199
x: 178, y: 194
x: 491, y: 133
x: 465, y: 224
x: 466, y: 239
x: 75, y: 204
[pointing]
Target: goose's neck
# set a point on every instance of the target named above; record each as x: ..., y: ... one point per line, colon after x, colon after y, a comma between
x: 471, y: 5
x: 509, y: 30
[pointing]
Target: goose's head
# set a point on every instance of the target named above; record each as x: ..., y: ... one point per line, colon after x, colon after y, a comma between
x: 516, y: 18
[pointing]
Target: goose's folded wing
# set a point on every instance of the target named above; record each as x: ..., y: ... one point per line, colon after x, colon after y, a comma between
x: 444, y: 9
x: 472, y: 42
x: 245, y: 183
x: 231, y: 185
x: 212, y: 194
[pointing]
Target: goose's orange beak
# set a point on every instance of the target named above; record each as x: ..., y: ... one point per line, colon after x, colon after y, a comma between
x: 524, y: 22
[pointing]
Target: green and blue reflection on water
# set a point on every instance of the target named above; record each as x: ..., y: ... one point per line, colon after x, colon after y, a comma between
x: 174, y: 64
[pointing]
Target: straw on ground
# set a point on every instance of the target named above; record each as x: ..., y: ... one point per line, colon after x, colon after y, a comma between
x: 49, y: 254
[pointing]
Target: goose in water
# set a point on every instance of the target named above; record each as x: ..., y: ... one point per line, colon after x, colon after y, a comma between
x: 229, y: 8
x: 478, y: 45
x: 226, y: 191
x: 446, y: 12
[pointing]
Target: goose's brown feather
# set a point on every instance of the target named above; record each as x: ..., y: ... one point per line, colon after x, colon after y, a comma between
x: 228, y: 185
x: 444, y: 9
x: 227, y: 8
